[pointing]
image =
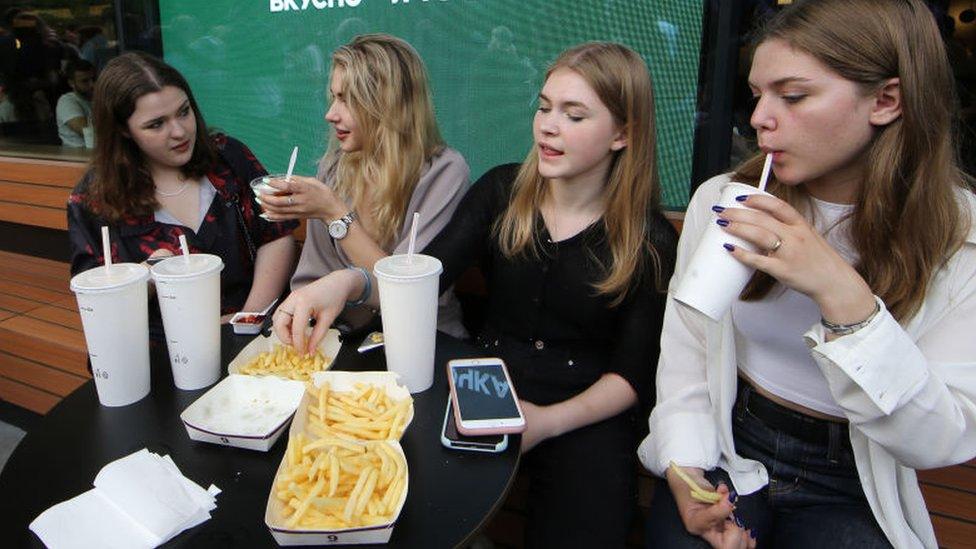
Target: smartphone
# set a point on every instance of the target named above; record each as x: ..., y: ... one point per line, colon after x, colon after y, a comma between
x: 485, y: 400
x: 451, y: 438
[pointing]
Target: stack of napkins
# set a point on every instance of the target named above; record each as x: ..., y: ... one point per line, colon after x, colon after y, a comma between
x: 141, y: 500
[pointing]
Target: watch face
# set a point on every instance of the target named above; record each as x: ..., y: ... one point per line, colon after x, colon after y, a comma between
x: 338, y: 229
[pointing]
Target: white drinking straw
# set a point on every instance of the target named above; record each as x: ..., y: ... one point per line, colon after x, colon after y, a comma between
x: 186, y: 249
x: 413, y: 236
x: 765, y: 173
x: 291, y: 163
x: 106, y: 247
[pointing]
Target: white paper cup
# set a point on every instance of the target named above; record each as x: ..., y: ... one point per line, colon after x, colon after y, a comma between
x: 88, y: 134
x: 714, y: 279
x: 408, y: 304
x: 189, y: 300
x: 114, y: 308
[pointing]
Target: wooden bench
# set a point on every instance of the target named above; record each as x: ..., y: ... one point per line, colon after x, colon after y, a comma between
x: 35, y: 192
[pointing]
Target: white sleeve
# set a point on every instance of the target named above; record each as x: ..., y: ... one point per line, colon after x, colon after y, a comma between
x: 917, y: 399
x: 68, y: 109
x: 682, y: 425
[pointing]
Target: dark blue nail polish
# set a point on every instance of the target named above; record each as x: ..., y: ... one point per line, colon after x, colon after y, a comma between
x: 742, y: 197
x: 728, y: 247
x: 722, y: 222
x: 733, y: 496
x: 738, y: 522
x: 752, y: 534
x: 718, y: 209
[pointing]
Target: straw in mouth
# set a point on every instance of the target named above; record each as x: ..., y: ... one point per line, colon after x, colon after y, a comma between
x: 767, y: 166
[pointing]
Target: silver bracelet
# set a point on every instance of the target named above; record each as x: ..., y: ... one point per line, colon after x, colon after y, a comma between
x: 847, y: 329
x: 367, y: 288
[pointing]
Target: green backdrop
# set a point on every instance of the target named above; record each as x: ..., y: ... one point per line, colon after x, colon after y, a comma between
x: 260, y: 68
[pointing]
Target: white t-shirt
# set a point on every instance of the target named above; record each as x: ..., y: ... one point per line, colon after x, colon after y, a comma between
x: 70, y: 106
x: 779, y: 359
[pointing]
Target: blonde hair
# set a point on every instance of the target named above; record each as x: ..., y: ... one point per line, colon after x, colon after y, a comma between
x: 385, y: 86
x: 620, y: 79
x: 907, y: 220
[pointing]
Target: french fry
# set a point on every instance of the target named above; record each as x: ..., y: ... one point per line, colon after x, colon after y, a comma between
x: 337, y: 484
x: 284, y: 361
x: 697, y: 492
x: 364, y: 413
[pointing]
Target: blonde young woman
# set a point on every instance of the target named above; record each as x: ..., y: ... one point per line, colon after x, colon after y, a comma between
x: 574, y: 251
x: 386, y: 161
x: 848, y: 362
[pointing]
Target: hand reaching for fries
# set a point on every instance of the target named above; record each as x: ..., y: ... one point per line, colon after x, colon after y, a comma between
x: 711, y: 521
x: 322, y: 300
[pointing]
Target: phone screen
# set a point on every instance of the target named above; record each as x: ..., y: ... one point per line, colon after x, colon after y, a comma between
x: 483, y: 393
x: 451, y: 433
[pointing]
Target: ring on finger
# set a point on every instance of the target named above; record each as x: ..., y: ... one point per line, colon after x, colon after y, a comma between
x: 289, y: 313
x: 775, y: 246
x: 291, y: 201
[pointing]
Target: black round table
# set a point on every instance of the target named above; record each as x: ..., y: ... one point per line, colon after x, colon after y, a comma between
x: 451, y: 493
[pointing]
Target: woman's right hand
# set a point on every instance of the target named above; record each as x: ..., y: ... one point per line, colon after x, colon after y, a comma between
x: 322, y: 300
x: 714, y: 522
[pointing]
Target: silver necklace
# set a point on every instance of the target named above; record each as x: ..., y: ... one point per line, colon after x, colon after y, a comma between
x: 174, y: 193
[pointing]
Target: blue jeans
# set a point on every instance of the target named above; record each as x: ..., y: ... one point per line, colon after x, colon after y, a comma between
x: 814, y: 497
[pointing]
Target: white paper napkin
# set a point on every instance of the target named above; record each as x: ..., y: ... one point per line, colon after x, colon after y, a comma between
x: 139, y: 501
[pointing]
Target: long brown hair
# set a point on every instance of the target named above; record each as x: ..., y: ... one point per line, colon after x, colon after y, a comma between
x: 620, y: 79
x: 907, y: 220
x: 121, y: 183
x: 385, y: 85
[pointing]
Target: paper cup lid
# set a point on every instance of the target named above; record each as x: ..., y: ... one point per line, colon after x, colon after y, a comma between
x: 402, y: 267
x: 179, y: 267
x: 102, y: 278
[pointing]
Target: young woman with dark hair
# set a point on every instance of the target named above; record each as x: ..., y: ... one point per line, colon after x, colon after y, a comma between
x: 157, y: 173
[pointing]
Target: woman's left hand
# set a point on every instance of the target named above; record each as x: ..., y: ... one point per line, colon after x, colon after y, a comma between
x: 791, y: 251
x: 539, y: 425
x: 302, y: 198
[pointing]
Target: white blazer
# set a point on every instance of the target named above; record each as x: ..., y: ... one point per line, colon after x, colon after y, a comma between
x: 908, y: 390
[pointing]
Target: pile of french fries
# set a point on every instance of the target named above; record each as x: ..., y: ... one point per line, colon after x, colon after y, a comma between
x: 343, y: 467
x: 334, y: 484
x: 284, y: 361
x: 366, y: 413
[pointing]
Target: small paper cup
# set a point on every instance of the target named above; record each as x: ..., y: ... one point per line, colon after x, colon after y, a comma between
x: 244, y: 411
x: 246, y: 323
x: 714, y: 279
x: 260, y: 185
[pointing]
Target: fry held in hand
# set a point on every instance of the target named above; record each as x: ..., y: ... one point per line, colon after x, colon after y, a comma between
x: 365, y: 413
x: 697, y: 492
x: 334, y: 484
x: 284, y: 361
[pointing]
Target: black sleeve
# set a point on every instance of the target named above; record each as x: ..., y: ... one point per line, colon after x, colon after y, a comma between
x: 84, y: 235
x: 466, y: 239
x: 638, y: 342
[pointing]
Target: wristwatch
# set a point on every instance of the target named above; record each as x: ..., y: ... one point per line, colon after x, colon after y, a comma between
x: 339, y: 228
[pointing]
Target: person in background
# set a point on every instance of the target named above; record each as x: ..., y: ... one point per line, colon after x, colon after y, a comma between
x: 576, y: 253
x: 73, y: 111
x: 157, y: 173
x: 386, y: 160
x: 848, y: 361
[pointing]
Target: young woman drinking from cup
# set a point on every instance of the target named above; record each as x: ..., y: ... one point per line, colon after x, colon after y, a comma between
x: 574, y: 250
x: 847, y: 362
x: 157, y: 173
x: 386, y: 161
